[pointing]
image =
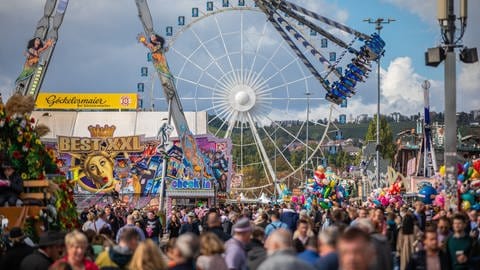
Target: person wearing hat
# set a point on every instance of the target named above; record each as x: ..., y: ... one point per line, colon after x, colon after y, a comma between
x: 235, y: 254
x: 50, y: 248
x: 11, y: 185
x: 191, y: 225
x: 18, y: 250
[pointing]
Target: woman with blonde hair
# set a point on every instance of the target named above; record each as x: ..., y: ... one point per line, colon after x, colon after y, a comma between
x: 76, y: 244
x: 211, y: 249
x: 148, y: 256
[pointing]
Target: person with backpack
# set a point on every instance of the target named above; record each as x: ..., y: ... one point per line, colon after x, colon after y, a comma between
x: 275, y: 224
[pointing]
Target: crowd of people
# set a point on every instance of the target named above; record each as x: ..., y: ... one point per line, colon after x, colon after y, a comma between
x: 253, y: 237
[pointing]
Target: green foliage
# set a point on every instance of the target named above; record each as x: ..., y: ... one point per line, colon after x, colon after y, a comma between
x: 388, y: 148
x: 65, y: 205
x: 20, y: 144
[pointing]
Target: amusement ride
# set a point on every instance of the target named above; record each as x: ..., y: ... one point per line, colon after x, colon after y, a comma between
x: 251, y: 65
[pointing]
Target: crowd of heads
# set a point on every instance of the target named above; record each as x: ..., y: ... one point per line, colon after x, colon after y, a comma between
x: 260, y: 237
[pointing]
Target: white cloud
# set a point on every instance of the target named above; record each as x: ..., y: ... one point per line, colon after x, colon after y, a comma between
x: 468, y: 75
x: 400, y: 86
x: 325, y: 8
x: 468, y: 87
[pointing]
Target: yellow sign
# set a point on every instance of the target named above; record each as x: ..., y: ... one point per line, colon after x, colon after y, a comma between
x: 89, y: 101
x: 115, y: 144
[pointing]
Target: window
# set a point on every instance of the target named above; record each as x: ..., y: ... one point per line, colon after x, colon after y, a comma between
x: 209, y: 6
x: 144, y: 71
x: 324, y: 43
x: 169, y: 31
x: 140, y: 87
x: 333, y: 56
x: 194, y: 12
x: 181, y: 20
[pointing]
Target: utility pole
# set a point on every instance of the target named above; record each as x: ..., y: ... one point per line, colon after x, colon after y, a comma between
x: 433, y: 57
x: 308, y: 94
x: 379, y: 22
x: 275, y: 182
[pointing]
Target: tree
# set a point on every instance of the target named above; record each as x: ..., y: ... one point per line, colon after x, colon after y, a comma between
x: 387, y: 146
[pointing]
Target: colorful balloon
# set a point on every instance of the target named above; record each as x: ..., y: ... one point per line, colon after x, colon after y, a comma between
x: 324, y: 205
x: 442, y: 170
x: 468, y: 197
x: 476, y: 165
x: 321, y: 169
x: 459, y: 168
x: 466, y: 205
x: 469, y: 172
x: 428, y: 194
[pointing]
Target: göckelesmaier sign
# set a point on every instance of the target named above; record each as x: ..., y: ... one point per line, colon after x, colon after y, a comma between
x: 89, y: 101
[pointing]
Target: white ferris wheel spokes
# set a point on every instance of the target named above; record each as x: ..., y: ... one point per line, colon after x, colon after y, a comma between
x: 232, y: 64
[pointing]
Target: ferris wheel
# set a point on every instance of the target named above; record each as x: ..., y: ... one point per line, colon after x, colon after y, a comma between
x: 229, y: 60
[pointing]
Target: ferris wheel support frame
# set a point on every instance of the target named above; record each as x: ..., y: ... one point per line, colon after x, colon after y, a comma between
x: 231, y: 124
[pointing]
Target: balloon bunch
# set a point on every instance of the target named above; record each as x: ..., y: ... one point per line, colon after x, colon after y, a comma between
x: 468, y: 183
x: 325, y: 188
x: 383, y: 197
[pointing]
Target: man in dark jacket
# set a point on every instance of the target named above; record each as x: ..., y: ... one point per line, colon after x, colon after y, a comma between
x: 191, y: 225
x: 50, y: 248
x: 430, y: 258
x: 214, y: 225
x: 11, y: 185
x: 290, y: 217
x: 153, y: 227
x: 17, y: 251
x: 256, y: 252
x: 111, y: 219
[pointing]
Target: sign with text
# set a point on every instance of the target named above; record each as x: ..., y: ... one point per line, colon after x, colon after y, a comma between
x: 89, y: 101
x: 82, y: 145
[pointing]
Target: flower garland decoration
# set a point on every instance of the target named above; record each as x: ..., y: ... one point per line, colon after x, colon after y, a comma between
x: 21, y: 145
x: 67, y: 216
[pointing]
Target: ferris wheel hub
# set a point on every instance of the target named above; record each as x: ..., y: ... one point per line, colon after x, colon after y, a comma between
x: 242, y: 97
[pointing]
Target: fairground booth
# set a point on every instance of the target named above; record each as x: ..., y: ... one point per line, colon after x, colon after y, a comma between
x: 117, y: 154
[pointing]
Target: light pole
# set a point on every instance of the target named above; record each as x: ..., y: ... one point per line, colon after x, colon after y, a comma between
x: 379, y: 22
x: 275, y: 164
x: 433, y: 57
x: 308, y: 94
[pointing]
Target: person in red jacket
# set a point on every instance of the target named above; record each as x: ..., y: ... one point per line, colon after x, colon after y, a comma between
x: 76, y: 244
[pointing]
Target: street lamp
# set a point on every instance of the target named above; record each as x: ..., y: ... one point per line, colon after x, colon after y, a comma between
x: 379, y: 22
x: 433, y: 57
x: 308, y: 94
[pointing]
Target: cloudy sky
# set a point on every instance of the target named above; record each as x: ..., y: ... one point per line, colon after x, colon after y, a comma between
x: 97, y: 52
